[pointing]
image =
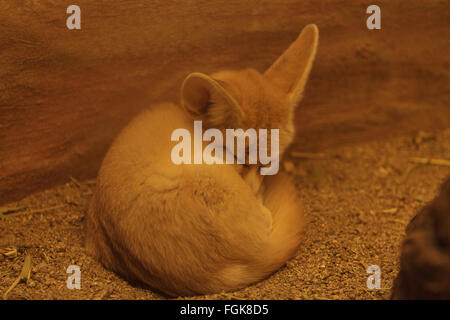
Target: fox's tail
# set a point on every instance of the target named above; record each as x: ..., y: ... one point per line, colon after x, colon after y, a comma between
x: 288, y: 226
x: 288, y: 222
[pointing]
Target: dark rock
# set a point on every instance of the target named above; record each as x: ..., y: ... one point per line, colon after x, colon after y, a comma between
x: 425, y: 259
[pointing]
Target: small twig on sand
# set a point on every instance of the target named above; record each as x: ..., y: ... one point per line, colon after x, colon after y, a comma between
x: 23, y: 276
x: 321, y: 298
x: 45, y: 257
x: 311, y: 156
x: 398, y: 221
x: 7, y: 210
x: 392, y: 210
x: 9, y: 252
x: 75, y: 182
x: 230, y: 296
x: 436, y: 162
x: 37, y: 210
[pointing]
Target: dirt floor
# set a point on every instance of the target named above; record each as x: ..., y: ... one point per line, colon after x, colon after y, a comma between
x: 358, y: 201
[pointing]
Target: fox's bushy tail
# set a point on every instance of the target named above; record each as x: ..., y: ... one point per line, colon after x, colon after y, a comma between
x: 288, y: 222
x: 288, y: 225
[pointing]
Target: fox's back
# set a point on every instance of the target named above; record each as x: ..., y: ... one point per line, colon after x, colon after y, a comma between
x: 177, y: 211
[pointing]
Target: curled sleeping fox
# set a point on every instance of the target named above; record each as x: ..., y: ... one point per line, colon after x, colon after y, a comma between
x: 193, y: 229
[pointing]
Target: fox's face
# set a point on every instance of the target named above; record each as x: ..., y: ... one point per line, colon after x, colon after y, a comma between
x: 247, y: 99
x: 263, y: 105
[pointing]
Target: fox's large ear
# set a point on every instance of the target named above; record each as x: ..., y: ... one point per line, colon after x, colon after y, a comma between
x: 205, y: 98
x: 290, y: 71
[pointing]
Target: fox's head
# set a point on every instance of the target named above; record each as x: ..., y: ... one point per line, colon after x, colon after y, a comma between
x: 248, y: 99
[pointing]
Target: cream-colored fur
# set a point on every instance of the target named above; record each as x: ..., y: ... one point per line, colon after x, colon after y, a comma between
x: 197, y: 229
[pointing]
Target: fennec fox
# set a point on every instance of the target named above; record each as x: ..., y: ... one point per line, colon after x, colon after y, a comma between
x: 199, y: 229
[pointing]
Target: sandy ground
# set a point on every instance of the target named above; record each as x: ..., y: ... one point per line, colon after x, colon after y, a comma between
x: 358, y: 201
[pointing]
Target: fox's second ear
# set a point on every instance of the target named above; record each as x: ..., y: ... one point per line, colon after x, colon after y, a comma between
x: 206, y: 99
x: 291, y: 70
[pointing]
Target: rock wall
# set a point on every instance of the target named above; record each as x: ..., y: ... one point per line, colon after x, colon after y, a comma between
x: 65, y: 94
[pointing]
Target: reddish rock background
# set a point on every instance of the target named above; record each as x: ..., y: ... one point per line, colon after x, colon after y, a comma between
x: 65, y: 94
